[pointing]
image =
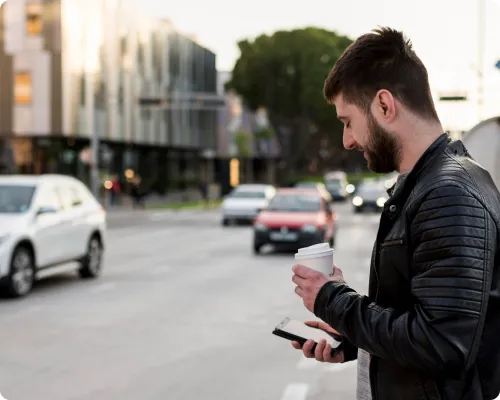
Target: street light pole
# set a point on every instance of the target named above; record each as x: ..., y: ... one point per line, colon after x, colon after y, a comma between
x: 89, y: 71
x: 480, y: 57
x: 94, y: 142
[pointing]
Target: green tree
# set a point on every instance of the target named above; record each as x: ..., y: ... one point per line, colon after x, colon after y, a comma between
x: 265, y: 134
x: 285, y: 73
x: 242, y: 142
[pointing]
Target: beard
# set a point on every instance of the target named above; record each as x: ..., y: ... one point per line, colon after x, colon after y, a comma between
x: 383, y: 151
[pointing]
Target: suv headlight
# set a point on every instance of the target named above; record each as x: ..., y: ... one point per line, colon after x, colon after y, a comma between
x: 309, y: 228
x: 381, y: 201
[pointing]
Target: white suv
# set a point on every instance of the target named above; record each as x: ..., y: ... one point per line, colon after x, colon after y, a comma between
x: 47, y: 223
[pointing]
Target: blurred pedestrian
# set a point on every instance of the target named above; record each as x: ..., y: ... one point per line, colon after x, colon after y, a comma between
x: 429, y: 327
x: 115, y: 190
x: 136, y: 193
x: 204, y: 192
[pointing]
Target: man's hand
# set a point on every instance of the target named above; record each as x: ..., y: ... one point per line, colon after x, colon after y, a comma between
x: 309, y: 282
x: 323, y: 350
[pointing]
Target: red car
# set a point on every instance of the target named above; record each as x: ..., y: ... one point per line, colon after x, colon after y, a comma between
x: 295, y: 217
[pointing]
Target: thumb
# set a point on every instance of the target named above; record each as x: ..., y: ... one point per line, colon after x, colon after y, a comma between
x: 337, y: 273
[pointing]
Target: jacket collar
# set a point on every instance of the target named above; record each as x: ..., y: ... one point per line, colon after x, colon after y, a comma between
x: 399, y: 193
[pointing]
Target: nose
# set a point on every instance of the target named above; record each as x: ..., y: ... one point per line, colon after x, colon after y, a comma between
x: 348, y: 141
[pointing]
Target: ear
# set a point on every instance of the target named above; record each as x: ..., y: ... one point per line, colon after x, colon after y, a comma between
x: 385, y: 105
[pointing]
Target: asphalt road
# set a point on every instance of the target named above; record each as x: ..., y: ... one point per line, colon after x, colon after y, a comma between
x: 183, y: 311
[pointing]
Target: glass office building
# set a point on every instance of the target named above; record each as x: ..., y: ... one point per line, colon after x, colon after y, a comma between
x: 72, y: 69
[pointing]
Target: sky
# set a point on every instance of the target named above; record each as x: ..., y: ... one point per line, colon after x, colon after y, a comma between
x: 444, y: 34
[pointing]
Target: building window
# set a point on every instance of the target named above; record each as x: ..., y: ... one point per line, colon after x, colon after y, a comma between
x: 22, y: 88
x: 34, y: 19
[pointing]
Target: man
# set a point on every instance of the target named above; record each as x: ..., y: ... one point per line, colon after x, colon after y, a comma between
x: 430, y: 325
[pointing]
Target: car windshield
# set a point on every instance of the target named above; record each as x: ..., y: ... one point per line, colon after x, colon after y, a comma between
x: 334, y: 184
x: 15, y: 199
x: 298, y: 203
x: 248, y: 194
x: 306, y: 185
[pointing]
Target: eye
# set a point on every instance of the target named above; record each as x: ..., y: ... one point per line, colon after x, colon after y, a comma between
x: 348, y: 125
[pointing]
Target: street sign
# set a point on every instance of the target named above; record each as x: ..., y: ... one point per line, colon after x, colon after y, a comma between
x: 453, y: 96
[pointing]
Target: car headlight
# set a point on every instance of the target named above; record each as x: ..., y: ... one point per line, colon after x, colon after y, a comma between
x: 381, y: 201
x: 350, y: 188
x: 260, y: 227
x: 309, y: 228
x: 357, y: 201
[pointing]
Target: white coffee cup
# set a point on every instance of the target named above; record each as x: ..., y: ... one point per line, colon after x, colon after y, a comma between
x: 318, y: 257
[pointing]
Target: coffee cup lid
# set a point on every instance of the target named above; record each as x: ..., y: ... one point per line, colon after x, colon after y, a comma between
x: 317, y: 250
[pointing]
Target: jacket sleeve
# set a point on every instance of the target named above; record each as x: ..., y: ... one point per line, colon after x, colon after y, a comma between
x: 454, y: 240
x: 350, y: 350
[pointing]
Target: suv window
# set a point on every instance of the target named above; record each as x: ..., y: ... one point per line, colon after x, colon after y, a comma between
x: 73, y: 195
x: 49, y: 197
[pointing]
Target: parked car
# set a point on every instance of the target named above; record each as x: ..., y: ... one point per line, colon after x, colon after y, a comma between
x: 320, y: 187
x: 48, y: 222
x: 371, y: 195
x: 245, y: 201
x: 297, y: 218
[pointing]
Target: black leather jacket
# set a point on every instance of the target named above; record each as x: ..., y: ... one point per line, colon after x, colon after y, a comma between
x: 432, y: 317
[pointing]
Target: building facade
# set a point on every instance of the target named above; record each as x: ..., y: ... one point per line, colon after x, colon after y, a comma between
x: 74, y: 69
x: 257, y: 155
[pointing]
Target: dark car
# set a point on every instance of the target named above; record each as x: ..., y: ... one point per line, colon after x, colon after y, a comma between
x: 370, y: 195
x: 296, y: 218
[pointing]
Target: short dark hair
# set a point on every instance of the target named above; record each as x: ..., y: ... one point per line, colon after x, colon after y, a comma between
x: 382, y: 59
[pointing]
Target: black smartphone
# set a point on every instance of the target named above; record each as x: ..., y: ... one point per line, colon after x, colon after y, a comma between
x: 297, y: 331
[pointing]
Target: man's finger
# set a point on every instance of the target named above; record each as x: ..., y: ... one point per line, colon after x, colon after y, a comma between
x: 303, y: 272
x: 298, y: 280
x: 299, y: 291
x: 296, y: 345
x: 320, y: 349
x: 313, y: 324
x: 327, y: 353
x: 307, y: 349
x: 323, y: 326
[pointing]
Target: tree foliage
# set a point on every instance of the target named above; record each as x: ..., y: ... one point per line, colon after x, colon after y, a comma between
x: 242, y: 142
x: 285, y: 73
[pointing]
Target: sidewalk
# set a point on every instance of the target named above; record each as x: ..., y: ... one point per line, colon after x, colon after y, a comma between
x: 158, y: 204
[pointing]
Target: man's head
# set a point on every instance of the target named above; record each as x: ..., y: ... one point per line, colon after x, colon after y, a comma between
x: 380, y: 89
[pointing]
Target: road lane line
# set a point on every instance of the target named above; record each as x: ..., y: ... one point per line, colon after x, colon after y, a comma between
x: 295, y: 391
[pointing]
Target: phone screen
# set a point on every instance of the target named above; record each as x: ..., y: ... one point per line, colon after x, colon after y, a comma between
x: 300, y: 329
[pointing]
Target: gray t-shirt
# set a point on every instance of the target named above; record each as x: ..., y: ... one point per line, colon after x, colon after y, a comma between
x: 363, y: 389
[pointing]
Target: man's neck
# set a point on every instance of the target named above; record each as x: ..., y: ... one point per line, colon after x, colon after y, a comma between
x: 415, y: 145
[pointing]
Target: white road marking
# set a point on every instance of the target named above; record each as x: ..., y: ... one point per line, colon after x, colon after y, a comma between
x: 295, y: 391
x: 103, y: 287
